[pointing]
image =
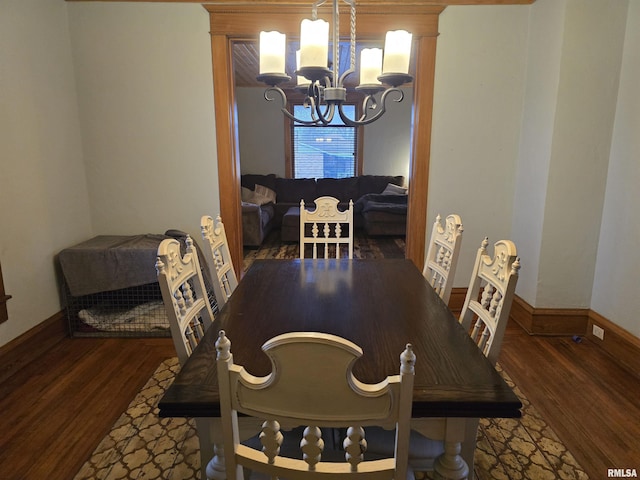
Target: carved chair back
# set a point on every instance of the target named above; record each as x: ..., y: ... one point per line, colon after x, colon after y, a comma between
x: 189, y: 312
x: 312, y: 386
x: 218, y: 258
x: 488, y: 302
x: 326, y: 226
x: 442, y: 255
x: 184, y: 295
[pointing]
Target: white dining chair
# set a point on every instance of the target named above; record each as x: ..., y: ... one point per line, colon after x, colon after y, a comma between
x: 218, y: 258
x: 325, y: 226
x: 190, y: 315
x: 311, y: 387
x: 442, y: 255
x: 486, y: 311
x: 487, y: 305
x: 484, y: 316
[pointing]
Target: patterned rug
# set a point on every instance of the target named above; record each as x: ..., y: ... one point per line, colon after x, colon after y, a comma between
x: 363, y: 247
x: 143, y: 446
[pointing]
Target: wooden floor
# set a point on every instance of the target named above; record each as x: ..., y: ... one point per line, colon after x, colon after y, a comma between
x: 591, y: 402
x: 55, y: 411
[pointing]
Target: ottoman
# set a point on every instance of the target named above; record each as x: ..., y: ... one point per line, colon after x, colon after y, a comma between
x: 290, y: 230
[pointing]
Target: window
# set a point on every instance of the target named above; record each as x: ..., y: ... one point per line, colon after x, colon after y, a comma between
x: 324, y: 152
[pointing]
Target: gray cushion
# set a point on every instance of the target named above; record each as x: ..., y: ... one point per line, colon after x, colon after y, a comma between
x: 376, y: 183
x: 292, y: 190
x: 344, y: 189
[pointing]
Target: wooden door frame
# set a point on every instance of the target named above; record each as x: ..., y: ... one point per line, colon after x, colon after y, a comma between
x: 231, y: 22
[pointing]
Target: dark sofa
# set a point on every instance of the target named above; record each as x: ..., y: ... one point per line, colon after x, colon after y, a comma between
x: 378, y: 214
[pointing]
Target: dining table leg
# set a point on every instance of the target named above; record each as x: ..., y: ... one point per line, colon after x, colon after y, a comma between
x: 450, y: 465
x: 247, y: 426
x: 216, y: 468
x: 454, y: 433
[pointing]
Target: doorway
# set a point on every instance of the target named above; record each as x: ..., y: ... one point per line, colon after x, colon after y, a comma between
x: 231, y: 23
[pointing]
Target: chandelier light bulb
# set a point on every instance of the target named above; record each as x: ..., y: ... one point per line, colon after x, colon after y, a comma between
x: 397, y: 49
x: 272, y: 52
x: 314, y: 43
x: 370, y: 66
x: 300, y: 79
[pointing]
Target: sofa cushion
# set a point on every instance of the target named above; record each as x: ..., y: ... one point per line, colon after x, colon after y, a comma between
x: 267, y: 192
x: 292, y: 190
x: 249, y: 180
x: 393, y: 189
x: 251, y: 197
x: 377, y: 183
x: 344, y: 189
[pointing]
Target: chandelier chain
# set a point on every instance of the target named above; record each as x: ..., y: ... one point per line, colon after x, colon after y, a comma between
x: 352, y: 35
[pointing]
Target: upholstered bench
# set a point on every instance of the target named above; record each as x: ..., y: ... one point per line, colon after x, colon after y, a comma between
x: 290, y: 230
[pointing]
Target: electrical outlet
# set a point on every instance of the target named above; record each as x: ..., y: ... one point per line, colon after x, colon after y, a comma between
x: 598, y: 332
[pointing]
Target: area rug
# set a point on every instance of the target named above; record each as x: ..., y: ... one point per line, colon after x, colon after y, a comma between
x: 363, y: 247
x: 143, y: 446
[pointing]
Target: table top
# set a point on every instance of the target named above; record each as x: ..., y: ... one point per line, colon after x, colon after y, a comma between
x: 381, y: 305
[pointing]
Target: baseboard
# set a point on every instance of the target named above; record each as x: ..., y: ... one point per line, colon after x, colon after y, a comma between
x: 456, y: 300
x: 31, y: 344
x: 617, y: 342
x: 535, y: 321
x: 549, y: 321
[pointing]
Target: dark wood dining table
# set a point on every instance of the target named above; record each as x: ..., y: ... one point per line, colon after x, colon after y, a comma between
x: 381, y: 305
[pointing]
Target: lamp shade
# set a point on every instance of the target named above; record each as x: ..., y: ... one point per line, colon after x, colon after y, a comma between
x: 314, y: 43
x: 370, y: 66
x: 397, y: 49
x: 272, y: 52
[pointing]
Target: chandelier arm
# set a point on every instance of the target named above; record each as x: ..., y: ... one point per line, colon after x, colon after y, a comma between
x: 283, y: 98
x: 366, y: 120
x: 314, y: 96
x: 329, y: 111
x: 277, y: 90
x: 309, y: 123
x: 310, y: 102
x: 327, y: 116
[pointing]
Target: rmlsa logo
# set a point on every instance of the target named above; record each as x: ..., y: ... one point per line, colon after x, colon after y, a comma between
x: 622, y: 473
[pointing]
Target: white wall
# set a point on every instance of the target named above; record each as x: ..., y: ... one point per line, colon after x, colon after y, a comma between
x: 43, y: 194
x: 145, y: 92
x: 260, y: 132
x: 479, y: 86
x: 546, y: 28
x: 615, y: 287
x: 387, y: 141
x: 587, y: 92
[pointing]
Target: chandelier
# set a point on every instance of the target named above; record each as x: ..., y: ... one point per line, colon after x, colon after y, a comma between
x: 323, y: 88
